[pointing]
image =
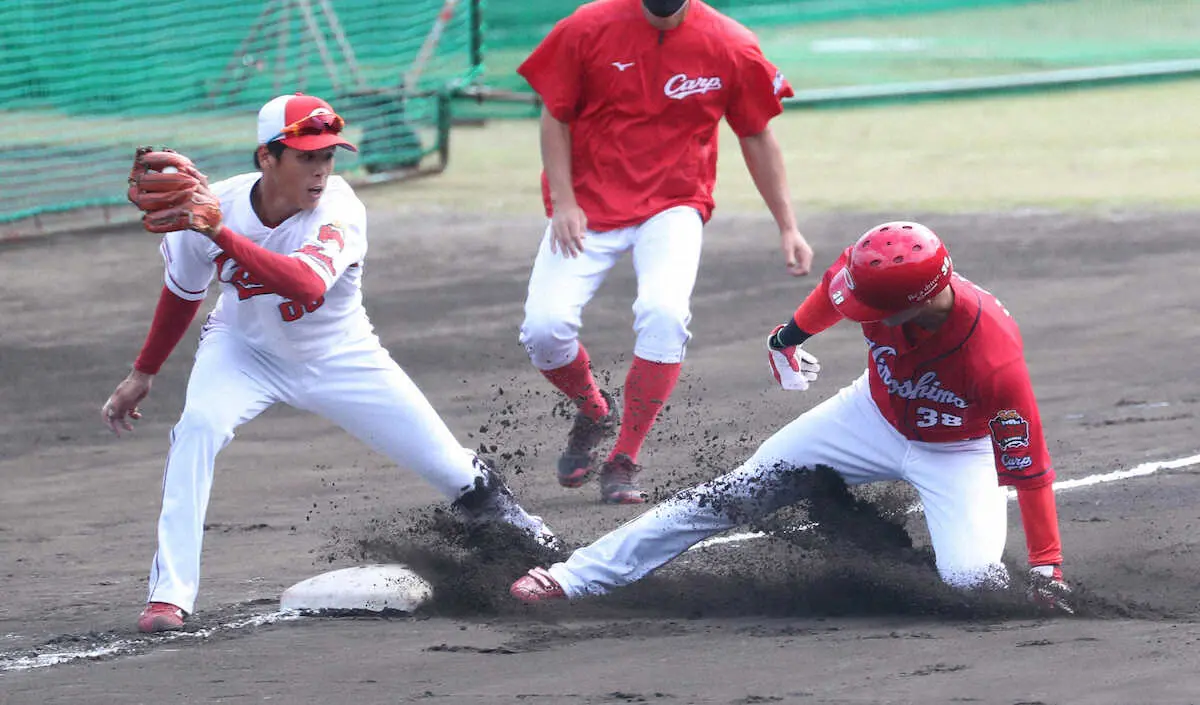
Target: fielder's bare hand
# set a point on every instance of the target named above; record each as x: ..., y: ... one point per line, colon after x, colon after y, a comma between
x: 122, y: 405
x: 568, y: 227
x: 796, y: 251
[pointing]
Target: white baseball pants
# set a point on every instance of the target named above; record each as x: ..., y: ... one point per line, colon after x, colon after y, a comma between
x: 965, y: 508
x: 361, y: 389
x: 666, y: 258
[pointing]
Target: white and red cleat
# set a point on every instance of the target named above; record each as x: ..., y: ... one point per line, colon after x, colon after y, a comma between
x: 537, y: 586
x: 160, y: 617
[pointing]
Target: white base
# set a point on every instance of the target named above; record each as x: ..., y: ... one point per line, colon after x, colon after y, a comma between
x: 372, y: 588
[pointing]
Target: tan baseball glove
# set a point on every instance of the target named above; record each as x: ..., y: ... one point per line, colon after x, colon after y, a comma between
x: 172, y: 193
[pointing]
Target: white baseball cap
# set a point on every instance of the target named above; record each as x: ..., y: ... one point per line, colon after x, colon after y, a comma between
x: 302, y: 122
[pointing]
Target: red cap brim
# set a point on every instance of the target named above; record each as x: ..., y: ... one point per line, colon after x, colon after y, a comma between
x: 843, y: 299
x: 311, y: 143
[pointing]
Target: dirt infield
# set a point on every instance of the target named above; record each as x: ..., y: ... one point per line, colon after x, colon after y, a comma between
x: 1107, y: 307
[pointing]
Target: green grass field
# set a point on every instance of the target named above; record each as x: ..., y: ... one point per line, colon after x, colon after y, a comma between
x: 1122, y: 147
x: 984, y: 41
x: 1136, y: 146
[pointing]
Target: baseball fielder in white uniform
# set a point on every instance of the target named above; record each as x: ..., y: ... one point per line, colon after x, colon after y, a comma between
x: 287, y: 246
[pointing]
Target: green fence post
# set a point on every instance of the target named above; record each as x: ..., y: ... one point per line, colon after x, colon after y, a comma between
x: 476, y: 35
x: 444, y: 120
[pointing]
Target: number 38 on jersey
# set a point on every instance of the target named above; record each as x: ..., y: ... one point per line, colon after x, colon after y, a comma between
x: 928, y: 418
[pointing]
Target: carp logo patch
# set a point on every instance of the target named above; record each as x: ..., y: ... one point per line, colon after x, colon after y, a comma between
x: 332, y: 240
x: 1010, y: 430
x: 1015, y: 463
x: 680, y: 86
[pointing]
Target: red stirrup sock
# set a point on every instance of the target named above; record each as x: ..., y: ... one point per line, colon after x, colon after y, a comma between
x: 576, y: 381
x: 647, y: 388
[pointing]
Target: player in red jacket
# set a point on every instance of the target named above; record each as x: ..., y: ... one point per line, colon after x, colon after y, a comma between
x: 634, y: 91
x: 945, y: 404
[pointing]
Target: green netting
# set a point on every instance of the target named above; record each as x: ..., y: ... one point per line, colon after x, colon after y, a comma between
x: 86, y: 81
x: 519, y: 24
x: 824, y: 44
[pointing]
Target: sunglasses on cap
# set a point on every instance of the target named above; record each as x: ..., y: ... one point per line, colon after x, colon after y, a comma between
x: 315, y: 124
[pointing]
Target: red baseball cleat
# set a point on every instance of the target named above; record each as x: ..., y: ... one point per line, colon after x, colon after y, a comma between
x: 578, y: 462
x: 537, y: 586
x: 618, y: 481
x: 160, y: 617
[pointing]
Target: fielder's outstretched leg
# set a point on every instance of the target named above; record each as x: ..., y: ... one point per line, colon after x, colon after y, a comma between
x: 228, y: 387
x: 367, y: 394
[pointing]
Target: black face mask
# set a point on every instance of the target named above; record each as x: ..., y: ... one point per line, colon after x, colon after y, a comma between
x: 663, y: 8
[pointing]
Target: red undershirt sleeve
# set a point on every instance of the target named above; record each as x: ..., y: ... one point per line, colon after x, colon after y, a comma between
x: 172, y: 317
x: 290, y: 277
x: 817, y: 313
x: 1039, y: 517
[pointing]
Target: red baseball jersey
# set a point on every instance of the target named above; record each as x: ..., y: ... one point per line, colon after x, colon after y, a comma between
x: 967, y: 379
x: 644, y: 105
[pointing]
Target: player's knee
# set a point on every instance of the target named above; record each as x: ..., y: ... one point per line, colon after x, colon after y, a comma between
x: 546, y: 336
x: 663, y: 325
x: 662, y: 314
x: 203, y: 422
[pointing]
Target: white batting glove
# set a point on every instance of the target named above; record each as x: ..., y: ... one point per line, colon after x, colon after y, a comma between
x: 793, y: 367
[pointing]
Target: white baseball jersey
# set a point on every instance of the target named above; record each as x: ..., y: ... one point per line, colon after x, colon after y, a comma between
x: 331, y: 238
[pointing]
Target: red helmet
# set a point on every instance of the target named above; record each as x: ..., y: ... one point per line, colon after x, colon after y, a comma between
x: 891, y: 268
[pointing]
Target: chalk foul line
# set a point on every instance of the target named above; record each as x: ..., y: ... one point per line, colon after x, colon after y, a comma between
x: 29, y: 659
